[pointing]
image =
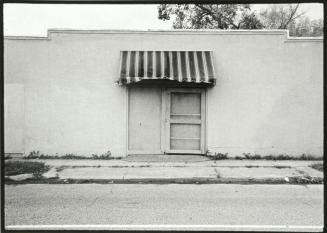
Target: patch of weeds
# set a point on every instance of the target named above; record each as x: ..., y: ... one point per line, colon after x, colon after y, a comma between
x: 104, y: 156
x: 281, y: 167
x: 7, y: 156
x: 217, y: 156
x: 249, y: 156
x: 37, y: 155
x: 72, y: 156
x: 25, y: 167
x: 318, y: 166
x: 309, y: 157
x: 277, y: 157
x: 306, y: 180
x: 283, y: 157
x: 33, y: 155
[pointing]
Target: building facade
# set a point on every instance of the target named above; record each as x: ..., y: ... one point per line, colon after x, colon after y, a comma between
x: 164, y: 92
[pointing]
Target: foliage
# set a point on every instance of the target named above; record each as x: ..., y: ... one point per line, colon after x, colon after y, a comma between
x: 307, y: 27
x: 240, y: 16
x: 25, y: 167
x: 209, y: 16
x: 287, y: 16
x: 279, y: 16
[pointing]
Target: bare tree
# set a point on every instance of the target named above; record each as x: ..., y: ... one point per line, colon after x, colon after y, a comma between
x: 280, y: 16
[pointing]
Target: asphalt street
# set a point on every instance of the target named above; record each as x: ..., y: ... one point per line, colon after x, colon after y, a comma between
x: 172, y: 204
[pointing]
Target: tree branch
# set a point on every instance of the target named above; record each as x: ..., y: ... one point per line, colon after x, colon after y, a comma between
x: 290, y: 17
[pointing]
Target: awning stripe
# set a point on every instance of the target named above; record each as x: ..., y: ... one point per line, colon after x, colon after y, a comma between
x: 191, y: 66
x: 128, y: 67
x: 154, y: 64
x: 175, y: 66
x: 136, y: 71
x: 182, y: 66
x: 150, y: 66
x: 145, y: 63
x: 196, y: 65
x: 171, y: 71
x: 210, y: 68
x: 205, y: 68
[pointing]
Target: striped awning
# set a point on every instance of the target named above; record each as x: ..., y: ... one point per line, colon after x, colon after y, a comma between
x: 181, y: 66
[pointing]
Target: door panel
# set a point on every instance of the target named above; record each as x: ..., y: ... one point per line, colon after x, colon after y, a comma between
x: 185, y: 121
x: 184, y: 144
x: 144, y: 120
x: 185, y: 131
x: 185, y: 103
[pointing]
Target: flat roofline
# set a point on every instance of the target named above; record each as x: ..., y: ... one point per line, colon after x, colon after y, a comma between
x: 171, y: 32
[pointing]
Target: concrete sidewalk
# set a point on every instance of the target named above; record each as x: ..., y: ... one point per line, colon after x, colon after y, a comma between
x: 218, y: 170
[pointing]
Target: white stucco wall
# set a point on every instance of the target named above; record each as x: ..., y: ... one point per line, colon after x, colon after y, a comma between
x: 268, y: 98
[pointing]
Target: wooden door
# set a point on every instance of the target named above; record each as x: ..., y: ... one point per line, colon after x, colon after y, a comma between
x: 144, y: 120
x: 185, y: 121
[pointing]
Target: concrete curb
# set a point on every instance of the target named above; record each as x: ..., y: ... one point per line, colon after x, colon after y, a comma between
x: 196, y: 180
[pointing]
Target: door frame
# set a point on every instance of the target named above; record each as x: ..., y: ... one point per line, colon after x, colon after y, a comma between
x: 166, y: 103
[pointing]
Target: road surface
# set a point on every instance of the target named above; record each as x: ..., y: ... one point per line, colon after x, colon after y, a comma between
x: 139, y: 205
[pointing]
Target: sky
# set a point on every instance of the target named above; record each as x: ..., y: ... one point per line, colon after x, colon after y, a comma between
x: 35, y: 19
